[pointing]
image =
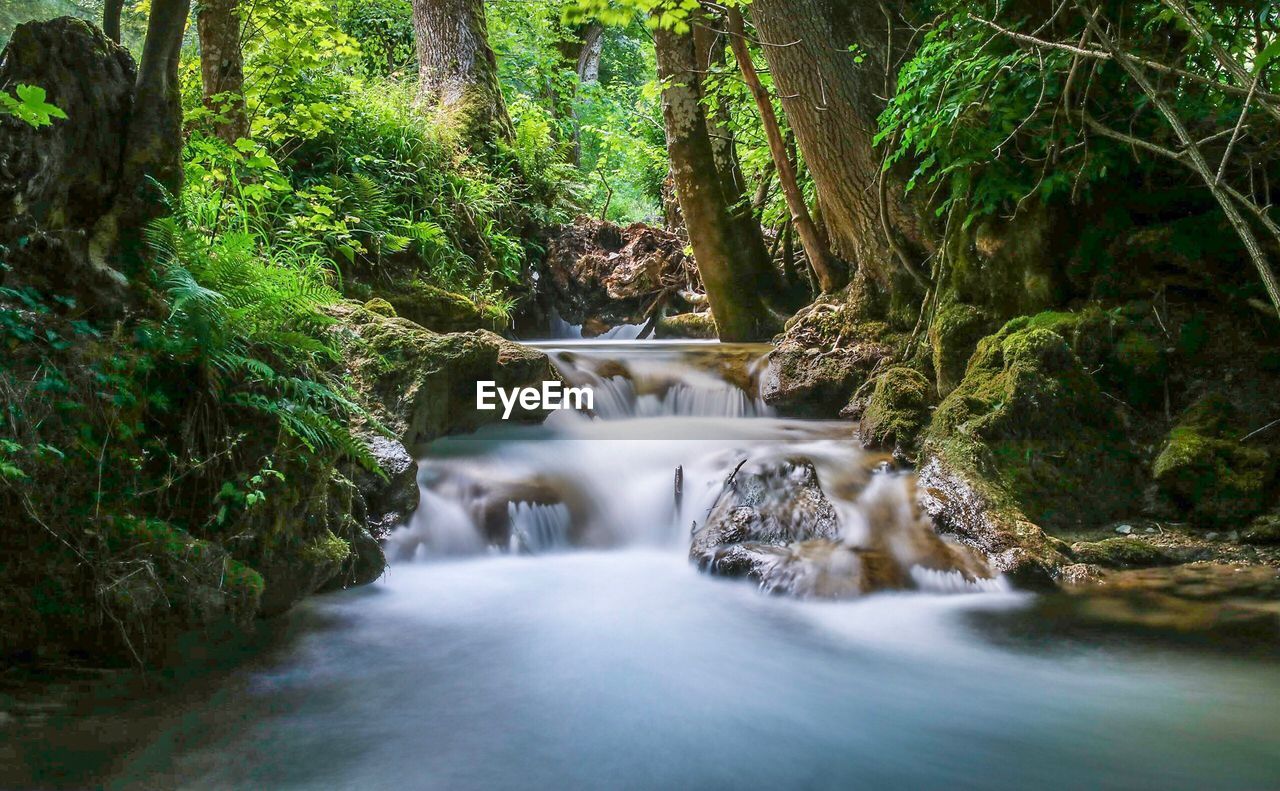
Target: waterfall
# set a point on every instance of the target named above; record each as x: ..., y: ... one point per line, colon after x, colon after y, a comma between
x: 537, y: 528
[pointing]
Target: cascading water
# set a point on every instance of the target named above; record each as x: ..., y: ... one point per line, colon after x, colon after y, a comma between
x: 607, y: 478
x: 559, y: 637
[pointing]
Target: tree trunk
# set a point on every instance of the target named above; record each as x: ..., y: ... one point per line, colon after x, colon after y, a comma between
x: 111, y: 10
x: 458, y: 73
x: 833, y: 102
x: 735, y: 299
x: 222, y: 66
x: 831, y: 272
x: 153, y: 150
x: 589, y: 56
x: 753, y: 261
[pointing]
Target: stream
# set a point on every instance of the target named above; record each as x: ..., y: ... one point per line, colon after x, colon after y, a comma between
x: 542, y: 627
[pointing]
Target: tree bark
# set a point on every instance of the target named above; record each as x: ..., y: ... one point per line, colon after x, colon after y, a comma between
x: 111, y: 10
x: 222, y: 66
x: 589, y: 56
x: 153, y: 150
x: 753, y: 260
x: 735, y: 299
x: 831, y: 272
x: 458, y: 72
x: 833, y: 102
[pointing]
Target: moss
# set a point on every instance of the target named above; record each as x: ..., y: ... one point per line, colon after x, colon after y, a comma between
x: 1206, y: 469
x: 1120, y: 553
x: 1028, y: 415
x: 953, y: 334
x: 439, y: 310
x: 325, y: 549
x: 899, y: 408
x: 687, y: 325
x: 1263, y: 530
x: 380, y: 307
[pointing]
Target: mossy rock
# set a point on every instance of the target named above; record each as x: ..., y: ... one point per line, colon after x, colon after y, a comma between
x: 1263, y: 530
x: 822, y: 358
x: 953, y: 335
x: 700, y: 326
x: 422, y: 385
x: 898, y: 410
x: 1120, y: 553
x: 439, y: 310
x: 1029, y: 414
x: 1205, y: 468
x: 381, y: 307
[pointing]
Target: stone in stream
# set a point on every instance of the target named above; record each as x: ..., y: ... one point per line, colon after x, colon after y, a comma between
x: 773, y: 523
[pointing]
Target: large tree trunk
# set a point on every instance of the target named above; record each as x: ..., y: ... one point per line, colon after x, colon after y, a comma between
x: 753, y: 260
x: 222, y: 66
x: 458, y: 73
x: 831, y: 271
x: 735, y: 297
x: 833, y: 101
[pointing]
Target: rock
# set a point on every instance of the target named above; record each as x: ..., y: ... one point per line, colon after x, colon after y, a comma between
x: 898, y: 410
x: 58, y: 182
x: 1120, y: 553
x: 1029, y: 416
x: 596, y: 270
x: 772, y: 504
x: 391, y: 499
x: 422, y: 385
x: 773, y: 524
x: 820, y: 360
x: 700, y: 326
x: 969, y: 507
x: 1220, y: 599
x: 439, y: 310
x: 1204, y: 467
x: 1126, y: 529
x: 1263, y: 530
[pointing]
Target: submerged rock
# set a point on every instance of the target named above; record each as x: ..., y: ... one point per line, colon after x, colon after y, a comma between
x: 773, y: 524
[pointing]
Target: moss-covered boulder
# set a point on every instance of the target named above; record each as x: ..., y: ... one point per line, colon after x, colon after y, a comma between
x: 1205, y: 467
x: 699, y: 326
x: 1263, y: 530
x: 1121, y: 553
x: 421, y: 384
x: 953, y: 335
x: 898, y: 409
x: 437, y: 309
x: 1028, y: 415
x: 822, y: 357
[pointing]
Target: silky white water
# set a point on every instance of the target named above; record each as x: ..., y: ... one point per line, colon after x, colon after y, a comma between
x: 541, y: 627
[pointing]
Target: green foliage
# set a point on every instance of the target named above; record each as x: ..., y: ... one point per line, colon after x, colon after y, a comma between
x: 28, y: 104
x: 987, y: 123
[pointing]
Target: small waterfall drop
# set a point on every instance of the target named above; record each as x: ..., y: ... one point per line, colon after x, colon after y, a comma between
x: 671, y: 423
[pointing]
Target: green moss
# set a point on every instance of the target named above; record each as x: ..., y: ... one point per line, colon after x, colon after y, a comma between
x: 1120, y: 553
x: 440, y: 310
x: 326, y: 549
x: 898, y: 409
x: 1206, y: 469
x: 381, y: 307
x: 687, y: 325
x: 953, y: 334
x: 1028, y: 415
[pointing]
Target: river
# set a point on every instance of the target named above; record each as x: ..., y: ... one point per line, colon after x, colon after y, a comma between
x: 542, y: 627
